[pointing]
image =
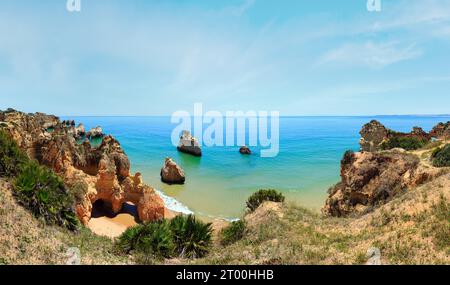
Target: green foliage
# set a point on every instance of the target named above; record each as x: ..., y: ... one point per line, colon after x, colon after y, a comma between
x: 348, y: 157
x: 263, y: 195
x: 234, y: 232
x: 43, y: 192
x: 183, y: 236
x: 11, y: 157
x: 192, y: 237
x: 407, y: 143
x: 153, y: 239
x: 441, y: 156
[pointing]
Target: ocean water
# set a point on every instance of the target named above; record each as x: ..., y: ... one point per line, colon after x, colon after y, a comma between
x: 219, y: 182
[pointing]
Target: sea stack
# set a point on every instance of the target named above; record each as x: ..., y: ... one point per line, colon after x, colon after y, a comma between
x: 189, y: 144
x: 245, y: 150
x: 171, y: 173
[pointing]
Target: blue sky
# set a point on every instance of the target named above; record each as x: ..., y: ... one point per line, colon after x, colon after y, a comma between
x: 154, y: 57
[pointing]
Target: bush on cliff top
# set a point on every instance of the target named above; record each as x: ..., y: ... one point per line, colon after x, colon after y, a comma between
x: 407, y: 143
x: 11, y: 157
x: 234, y: 232
x: 262, y: 196
x: 441, y: 156
x: 41, y: 191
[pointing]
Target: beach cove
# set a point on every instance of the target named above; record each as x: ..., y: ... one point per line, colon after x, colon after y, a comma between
x: 219, y: 182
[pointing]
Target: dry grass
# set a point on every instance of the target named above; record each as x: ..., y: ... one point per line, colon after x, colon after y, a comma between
x: 407, y: 230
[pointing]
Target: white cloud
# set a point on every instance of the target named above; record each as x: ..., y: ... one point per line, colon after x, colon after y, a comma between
x: 370, y: 54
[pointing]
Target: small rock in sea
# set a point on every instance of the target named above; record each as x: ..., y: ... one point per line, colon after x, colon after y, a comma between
x: 189, y: 144
x: 95, y: 133
x: 245, y: 150
x: 171, y: 173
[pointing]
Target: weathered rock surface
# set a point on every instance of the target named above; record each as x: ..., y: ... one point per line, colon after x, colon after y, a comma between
x: 374, y: 134
x: 101, y: 173
x: 171, y: 173
x: 96, y: 132
x: 441, y: 131
x: 372, y: 178
x: 245, y: 150
x: 189, y: 144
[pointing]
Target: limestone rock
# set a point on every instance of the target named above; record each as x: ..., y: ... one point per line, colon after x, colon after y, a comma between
x: 103, y: 172
x: 441, y: 131
x: 189, y: 144
x: 372, y: 135
x: 245, y: 150
x: 372, y: 178
x: 96, y: 132
x: 171, y: 173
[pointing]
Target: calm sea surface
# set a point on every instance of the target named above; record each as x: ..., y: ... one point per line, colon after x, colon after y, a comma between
x: 218, y: 183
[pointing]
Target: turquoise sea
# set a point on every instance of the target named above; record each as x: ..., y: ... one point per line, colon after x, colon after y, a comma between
x: 218, y: 183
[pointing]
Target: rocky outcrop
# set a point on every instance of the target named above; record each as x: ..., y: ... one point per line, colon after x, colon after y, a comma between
x: 100, y: 173
x: 375, y: 134
x: 80, y: 131
x: 372, y: 136
x: 441, y: 131
x: 96, y: 132
x: 171, y: 173
x: 372, y: 178
x: 189, y: 144
x: 245, y: 150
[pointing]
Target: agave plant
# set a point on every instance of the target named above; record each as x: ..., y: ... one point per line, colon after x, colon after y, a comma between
x: 43, y: 192
x: 192, y: 237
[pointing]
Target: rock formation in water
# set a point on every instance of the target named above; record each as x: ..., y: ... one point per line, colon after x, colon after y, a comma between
x: 100, y: 173
x: 96, y: 132
x: 245, y: 150
x: 171, y: 173
x: 189, y: 144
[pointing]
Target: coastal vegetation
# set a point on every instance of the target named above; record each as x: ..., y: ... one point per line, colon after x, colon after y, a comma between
x: 256, y: 199
x: 37, y: 187
x: 234, y: 232
x: 441, y: 156
x: 407, y: 143
x: 394, y: 201
x: 148, y: 241
x: 183, y: 236
x: 11, y: 156
x: 41, y: 191
x: 192, y: 237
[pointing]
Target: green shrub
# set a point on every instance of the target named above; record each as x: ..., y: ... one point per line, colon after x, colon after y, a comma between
x: 234, y: 232
x: 261, y: 196
x: 407, y: 143
x: 192, y: 238
x: 11, y: 157
x: 153, y: 239
x: 441, y: 156
x: 348, y: 158
x: 41, y: 191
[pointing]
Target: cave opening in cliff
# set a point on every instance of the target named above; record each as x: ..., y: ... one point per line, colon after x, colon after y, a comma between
x: 128, y: 215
